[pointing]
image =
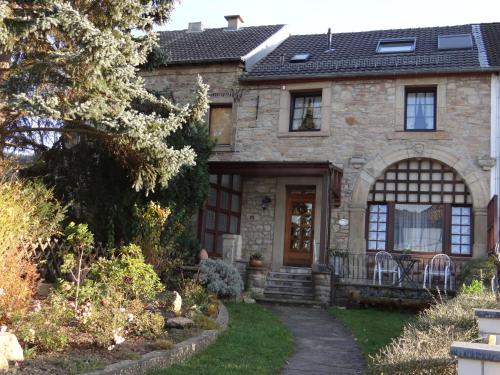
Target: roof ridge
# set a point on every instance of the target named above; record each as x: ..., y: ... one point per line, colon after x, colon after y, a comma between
x: 219, y: 28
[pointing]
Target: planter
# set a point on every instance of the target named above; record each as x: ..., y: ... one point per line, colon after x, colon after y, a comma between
x: 256, y: 263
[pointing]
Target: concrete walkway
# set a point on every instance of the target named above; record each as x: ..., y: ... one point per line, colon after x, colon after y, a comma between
x: 322, y: 344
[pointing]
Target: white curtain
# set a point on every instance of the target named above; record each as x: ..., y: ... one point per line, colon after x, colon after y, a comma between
x: 418, y: 227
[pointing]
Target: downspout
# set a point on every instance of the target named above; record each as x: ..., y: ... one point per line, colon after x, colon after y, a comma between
x: 495, y: 136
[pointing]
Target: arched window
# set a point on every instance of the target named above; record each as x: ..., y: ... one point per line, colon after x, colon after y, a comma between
x: 420, y: 205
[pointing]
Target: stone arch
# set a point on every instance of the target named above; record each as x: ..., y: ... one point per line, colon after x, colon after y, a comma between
x: 375, y: 167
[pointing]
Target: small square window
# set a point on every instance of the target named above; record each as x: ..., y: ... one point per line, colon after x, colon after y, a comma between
x: 220, y: 123
x: 420, y: 109
x: 306, y: 112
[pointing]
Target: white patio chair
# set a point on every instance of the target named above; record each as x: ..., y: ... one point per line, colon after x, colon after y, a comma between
x: 385, y: 264
x: 439, y: 266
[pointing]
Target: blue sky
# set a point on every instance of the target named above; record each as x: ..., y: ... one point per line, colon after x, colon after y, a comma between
x: 315, y: 16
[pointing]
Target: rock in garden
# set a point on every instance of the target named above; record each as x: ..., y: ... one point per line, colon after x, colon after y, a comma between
x: 10, y: 350
x: 179, y: 322
x: 248, y: 299
x: 177, y: 305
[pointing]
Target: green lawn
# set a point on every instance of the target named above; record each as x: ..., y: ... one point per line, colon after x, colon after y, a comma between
x: 373, y: 328
x: 256, y: 342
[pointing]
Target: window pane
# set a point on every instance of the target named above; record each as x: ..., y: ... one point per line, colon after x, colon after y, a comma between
x: 209, y: 242
x: 236, y: 182
x: 213, y: 178
x: 210, y: 219
x: 218, y: 249
x: 461, y: 230
x: 221, y: 222
x: 226, y: 180
x: 233, y: 225
x: 377, y: 227
x: 306, y: 114
x: 224, y: 200
x: 212, y: 197
x: 221, y: 124
x: 420, y: 110
x: 418, y: 227
x: 235, y: 203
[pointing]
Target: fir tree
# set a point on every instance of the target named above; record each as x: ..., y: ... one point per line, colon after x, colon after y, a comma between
x: 72, y: 74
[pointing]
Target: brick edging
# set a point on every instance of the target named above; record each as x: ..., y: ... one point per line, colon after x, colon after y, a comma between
x: 161, y: 359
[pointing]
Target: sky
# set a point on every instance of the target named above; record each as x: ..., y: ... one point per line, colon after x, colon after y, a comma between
x: 316, y: 16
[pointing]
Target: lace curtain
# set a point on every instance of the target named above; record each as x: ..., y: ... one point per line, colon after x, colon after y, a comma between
x: 418, y: 227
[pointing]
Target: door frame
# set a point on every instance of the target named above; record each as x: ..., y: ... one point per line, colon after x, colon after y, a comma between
x: 306, y: 193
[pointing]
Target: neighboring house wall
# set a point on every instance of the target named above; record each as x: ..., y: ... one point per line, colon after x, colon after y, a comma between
x: 180, y: 82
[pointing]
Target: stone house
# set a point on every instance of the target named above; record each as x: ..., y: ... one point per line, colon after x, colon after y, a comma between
x: 347, y: 143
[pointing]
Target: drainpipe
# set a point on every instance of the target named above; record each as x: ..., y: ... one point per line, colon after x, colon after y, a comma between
x: 495, y: 136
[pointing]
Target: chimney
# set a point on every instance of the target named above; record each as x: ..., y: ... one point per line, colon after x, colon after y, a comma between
x: 329, y: 36
x: 195, y: 27
x: 234, y: 21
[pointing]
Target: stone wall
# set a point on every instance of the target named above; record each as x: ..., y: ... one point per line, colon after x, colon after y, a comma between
x: 364, y: 134
x: 257, y: 224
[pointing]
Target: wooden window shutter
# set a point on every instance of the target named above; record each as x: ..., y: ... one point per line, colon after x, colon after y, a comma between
x: 492, y: 223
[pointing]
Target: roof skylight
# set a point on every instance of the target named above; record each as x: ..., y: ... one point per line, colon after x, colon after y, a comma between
x: 300, y: 57
x: 396, y: 45
x: 457, y: 41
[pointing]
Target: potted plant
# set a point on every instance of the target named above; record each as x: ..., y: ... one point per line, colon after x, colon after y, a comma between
x: 256, y: 260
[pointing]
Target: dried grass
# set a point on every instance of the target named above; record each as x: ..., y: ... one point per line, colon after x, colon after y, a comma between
x: 424, y: 346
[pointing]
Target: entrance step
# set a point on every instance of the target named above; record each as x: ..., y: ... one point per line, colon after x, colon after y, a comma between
x: 289, y: 276
x: 305, y: 290
x: 296, y: 270
x: 285, y: 301
x: 290, y: 285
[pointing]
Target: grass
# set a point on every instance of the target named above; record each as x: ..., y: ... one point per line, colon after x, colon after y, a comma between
x: 373, y: 328
x: 256, y: 342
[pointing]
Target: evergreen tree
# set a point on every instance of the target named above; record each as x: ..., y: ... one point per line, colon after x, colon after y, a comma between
x: 72, y: 75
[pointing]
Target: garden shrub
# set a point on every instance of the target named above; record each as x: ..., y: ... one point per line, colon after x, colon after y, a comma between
x: 424, y: 346
x: 221, y: 278
x: 478, y: 269
x: 124, y: 276
x: 194, y: 295
x: 45, y: 327
x: 27, y: 211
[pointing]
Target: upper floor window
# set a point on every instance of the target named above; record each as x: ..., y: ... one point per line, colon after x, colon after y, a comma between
x: 221, y: 123
x: 420, y: 109
x: 306, y: 112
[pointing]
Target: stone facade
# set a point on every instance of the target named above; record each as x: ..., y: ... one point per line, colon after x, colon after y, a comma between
x: 362, y: 134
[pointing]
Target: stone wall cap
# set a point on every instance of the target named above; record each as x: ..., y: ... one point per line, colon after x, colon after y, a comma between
x: 487, y: 313
x: 469, y: 350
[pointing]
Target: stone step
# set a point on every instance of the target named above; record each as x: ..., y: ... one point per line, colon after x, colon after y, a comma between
x: 296, y: 270
x: 274, y: 281
x: 289, y: 276
x: 287, y: 301
x: 288, y: 294
x: 306, y: 290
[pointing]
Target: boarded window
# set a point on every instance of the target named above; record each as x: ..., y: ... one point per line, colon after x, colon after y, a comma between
x: 221, y: 128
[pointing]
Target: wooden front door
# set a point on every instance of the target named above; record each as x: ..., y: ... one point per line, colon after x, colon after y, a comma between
x: 299, y: 228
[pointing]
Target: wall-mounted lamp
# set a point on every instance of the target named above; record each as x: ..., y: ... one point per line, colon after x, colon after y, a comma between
x: 265, y: 202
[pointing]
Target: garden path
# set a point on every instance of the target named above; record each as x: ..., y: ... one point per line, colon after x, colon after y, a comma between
x: 323, y: 346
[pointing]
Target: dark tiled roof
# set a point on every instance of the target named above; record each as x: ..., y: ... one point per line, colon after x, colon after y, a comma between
x: 355, y: 54
x: 213, y: 44
x: 491, y: 38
